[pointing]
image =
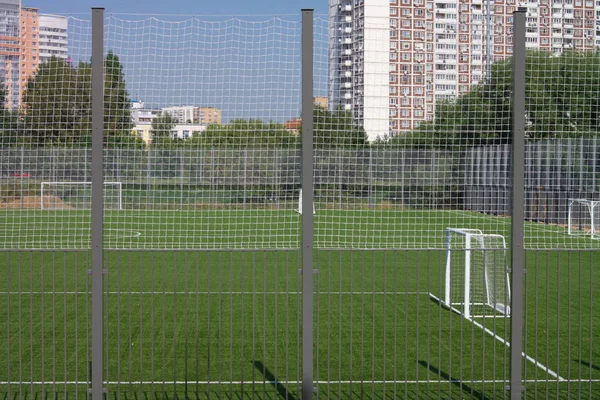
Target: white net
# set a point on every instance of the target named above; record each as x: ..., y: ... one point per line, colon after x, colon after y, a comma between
x: 476, y: 278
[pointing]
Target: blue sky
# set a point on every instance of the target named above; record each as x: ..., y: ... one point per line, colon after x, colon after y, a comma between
x: 191, y: 52
x: 186, y: 7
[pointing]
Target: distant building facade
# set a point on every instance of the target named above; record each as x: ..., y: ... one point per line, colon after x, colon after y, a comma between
x: 30, y: 57
x: 10, y: 49
x: 207, y: 115
x: 194, y: 115
x: 53, y: 37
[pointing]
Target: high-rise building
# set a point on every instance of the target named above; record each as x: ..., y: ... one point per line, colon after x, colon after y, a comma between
x: 53, y: 35
x: 29, y: 57
x: 436, y: 50
x: 10, y: 46
x: 359, y: 45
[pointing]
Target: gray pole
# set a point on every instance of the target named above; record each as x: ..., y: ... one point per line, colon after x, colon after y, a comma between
x: 97, y: 201
x: 245, y: 175
x: 518, y: 205
x: 488, y: 42
x: 307, y: 201
x: 22, y: 171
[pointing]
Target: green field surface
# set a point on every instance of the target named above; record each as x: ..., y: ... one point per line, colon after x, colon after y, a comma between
x: 264, y: 229
x: 203, y: 322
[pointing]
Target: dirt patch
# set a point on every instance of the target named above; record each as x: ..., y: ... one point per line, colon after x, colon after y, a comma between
x: 35, y: 202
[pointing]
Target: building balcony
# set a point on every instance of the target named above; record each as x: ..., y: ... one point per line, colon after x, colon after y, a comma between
x: 450, y: 61
x: 447, y: 41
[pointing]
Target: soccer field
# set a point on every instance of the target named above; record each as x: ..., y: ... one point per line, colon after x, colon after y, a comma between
x: 222, y: 316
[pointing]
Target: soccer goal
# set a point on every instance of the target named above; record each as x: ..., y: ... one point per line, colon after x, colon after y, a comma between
x: 300, y: 205
x: 584, y: 218
x: 78, y: 195
x: 476, y: 279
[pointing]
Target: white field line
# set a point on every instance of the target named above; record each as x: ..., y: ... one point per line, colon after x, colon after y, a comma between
x: 122, y: 293
x: 339, y: 382
x: 503, y: 341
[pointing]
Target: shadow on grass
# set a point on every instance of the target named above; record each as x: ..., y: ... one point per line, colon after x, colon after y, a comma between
x: 459, y: 384
x: 281, y: 389
x: 588, y: 364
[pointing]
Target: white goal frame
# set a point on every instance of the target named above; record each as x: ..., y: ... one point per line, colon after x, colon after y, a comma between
x: 117, y: 184
x: 593, y: 208
x: 299, y: 210
x: 501, y: 310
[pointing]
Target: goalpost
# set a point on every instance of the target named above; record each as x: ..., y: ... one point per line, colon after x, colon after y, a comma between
x: 476, y: 278
x: 78, y: 195
x: 300, y: 205
x: 584, y: 218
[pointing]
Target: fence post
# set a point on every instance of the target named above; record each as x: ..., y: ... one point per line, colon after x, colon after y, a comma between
x: 181, y: 176
x: 245, y: 176
x: 518, y: 204
x: 97, y: 377
x: 22, y: 171
x: 307, y: 201
x: 370, y: 177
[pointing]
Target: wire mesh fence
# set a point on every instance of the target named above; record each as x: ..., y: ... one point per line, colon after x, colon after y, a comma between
x: 213, y: 264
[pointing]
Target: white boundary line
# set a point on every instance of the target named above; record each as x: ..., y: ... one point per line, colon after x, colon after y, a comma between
x: 123, y: 293
x: 342, y: 382
x: 501, y: 340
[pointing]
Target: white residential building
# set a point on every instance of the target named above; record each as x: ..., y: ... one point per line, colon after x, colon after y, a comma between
x: 359, y: 50
x: 53, y: 36
x: 436, y: 50
x: 183, y: 114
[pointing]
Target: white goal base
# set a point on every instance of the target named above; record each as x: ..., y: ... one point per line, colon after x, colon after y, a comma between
x: 477, y: 310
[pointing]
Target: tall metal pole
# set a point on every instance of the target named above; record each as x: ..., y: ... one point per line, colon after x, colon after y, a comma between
x: 518, y: 204
x: 307, y: 201
x: 97, y: 202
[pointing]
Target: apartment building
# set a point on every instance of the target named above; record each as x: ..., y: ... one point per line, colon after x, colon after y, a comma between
x: 194, y: 115
x: 207, y: 115
x: 27, y: 39
x: 437, y: 50
x: 29, y: 57
x: 53, y: 36
x: 10, y: 47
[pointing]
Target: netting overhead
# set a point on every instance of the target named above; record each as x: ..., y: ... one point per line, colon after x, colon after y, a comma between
x: 412, y: 130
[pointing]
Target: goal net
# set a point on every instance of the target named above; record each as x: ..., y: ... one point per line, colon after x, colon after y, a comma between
x: 78, y: 195
x: 584, y: 217
x: 476, y: 280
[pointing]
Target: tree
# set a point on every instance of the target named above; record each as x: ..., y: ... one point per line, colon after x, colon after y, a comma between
x: 336, y: 129
x: 117, y: 109
x: 162, y: 126
x: 57, y: 103
x: 10, y: 132
x: 244, y: 133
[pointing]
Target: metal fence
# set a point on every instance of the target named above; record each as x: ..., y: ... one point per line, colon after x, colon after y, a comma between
x: 209, y: 281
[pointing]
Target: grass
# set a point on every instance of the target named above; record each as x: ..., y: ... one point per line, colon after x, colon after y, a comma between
x: 217, y: 316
